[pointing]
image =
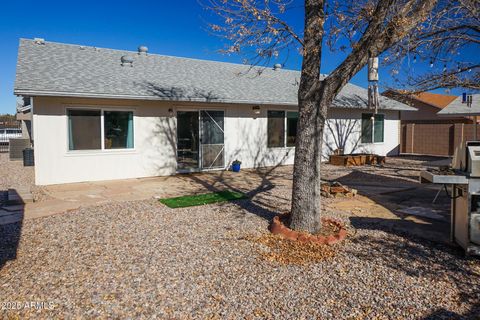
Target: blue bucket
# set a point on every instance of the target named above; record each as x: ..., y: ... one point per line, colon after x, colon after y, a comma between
x: 236, y: 167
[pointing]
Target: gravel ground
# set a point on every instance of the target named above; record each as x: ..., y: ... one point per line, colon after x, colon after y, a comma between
x: 144, y: 260
x: 13, y: 174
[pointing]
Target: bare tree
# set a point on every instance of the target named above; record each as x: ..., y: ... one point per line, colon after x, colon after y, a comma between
x: 453, y: 28
x: 260, y: 30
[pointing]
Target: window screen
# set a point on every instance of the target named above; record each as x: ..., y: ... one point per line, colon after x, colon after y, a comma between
x: 373, y: 131
x: 84, y: 131
x: 276, y: 129
x: 118, y: 129
x: 367, y: 129
x: 292, y: 120
x: 212, y: 127
x: 378, y: 128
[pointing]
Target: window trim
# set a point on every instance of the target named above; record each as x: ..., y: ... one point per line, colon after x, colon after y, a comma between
x: 285, y: 129
x: 101, y: 151
x: 373, y: 129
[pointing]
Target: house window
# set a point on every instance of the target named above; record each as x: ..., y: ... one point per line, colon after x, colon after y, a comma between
x: 292, y: 120
x: 276, y: 129
x: 282, y: 128
x: 85, y: 129
x: 372, y: 130
x: 118, y: 129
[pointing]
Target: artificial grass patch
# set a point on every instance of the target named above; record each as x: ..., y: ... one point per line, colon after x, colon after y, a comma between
x: 201, y: 199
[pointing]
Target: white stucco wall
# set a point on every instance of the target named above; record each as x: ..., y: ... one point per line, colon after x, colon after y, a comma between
x: 347, y: 123
x: 155, y: 140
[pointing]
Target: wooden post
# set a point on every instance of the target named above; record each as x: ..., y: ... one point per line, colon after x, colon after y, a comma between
x: 453, y: 211
x: 475, y: 136
x: 413, y: 136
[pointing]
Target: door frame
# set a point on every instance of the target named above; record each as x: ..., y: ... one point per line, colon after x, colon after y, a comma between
x: 200, y: 134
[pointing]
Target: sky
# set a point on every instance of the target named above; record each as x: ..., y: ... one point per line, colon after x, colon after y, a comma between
x: 175, y: 28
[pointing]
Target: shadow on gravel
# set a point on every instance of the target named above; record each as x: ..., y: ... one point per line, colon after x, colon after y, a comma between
x: 394, y: 194
x: 258, y: 206
x: 472, y: 314
x: 11, y: 221
x: 9, y: 240
x: 423, y: 159
x: 391, y: 191
x: 421, y: 258
x: 425, y: 250
x: 429, y: 230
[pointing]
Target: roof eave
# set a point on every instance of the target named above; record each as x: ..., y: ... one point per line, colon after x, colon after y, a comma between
x: 459, y: 114
x: 135, y: 97
x: 33, y: 93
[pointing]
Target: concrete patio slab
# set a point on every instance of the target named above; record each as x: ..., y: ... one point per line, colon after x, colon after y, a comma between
x: 66, y: 197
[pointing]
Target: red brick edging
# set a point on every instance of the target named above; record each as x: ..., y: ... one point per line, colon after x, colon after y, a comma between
x: 277, y: 227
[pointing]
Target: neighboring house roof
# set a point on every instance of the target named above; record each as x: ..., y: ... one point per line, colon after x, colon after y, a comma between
x: 457, y: 108
x: 435, y: 100
x: 55, y: 69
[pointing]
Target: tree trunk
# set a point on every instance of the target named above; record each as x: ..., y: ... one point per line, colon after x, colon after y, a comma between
x: 315, y: 95
x: 306, y: 200
x: 306, y: 209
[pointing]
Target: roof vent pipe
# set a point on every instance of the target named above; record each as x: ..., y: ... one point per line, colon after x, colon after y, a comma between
x: 40, y: 41
x: 277, y: 66
x: 126, y: 60
x: 142, y: 50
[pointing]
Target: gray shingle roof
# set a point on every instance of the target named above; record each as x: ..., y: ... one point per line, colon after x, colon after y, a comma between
x: 56, y: 69
x: 457, y: 108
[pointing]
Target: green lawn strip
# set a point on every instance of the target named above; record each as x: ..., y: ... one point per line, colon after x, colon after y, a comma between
x: 201, y: 199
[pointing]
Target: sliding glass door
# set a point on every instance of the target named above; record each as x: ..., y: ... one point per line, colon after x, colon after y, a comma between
x: 200, y: 140
x: 188, y: 140
x: 212, y: 133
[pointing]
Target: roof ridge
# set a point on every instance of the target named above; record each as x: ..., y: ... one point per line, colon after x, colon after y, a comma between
x: 158, y: 55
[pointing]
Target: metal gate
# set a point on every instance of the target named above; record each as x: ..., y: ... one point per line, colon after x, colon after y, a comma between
x: 9, y: 130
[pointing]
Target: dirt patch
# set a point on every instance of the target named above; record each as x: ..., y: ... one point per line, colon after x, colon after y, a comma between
x: 328, y: 229
x: 274, y: 248
x: 361, y: 206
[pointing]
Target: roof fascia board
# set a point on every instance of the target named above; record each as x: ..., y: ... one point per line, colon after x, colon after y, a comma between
x: 131, y: 97
x: 156, y: 98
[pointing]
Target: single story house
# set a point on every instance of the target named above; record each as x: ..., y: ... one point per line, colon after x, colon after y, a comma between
x: 427, y: 131
x: 103, y: 114
x: 428, y: 105
x: 459, y: 107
